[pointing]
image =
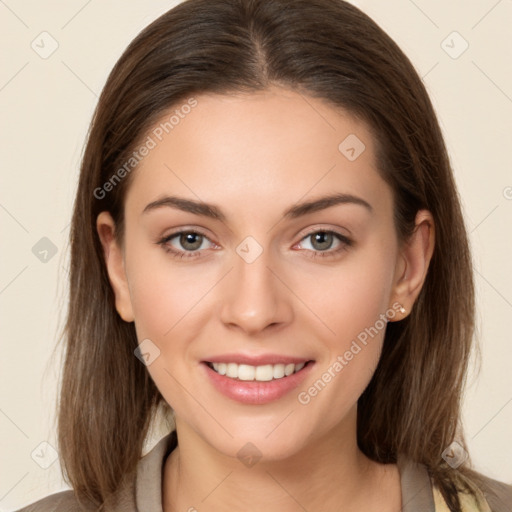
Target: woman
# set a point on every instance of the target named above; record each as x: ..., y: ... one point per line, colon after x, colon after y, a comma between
x: 267, y: 241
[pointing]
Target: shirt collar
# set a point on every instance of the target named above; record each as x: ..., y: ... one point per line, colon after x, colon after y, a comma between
x: 415, y: 483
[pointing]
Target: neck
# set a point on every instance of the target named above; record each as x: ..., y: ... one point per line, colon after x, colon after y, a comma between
x: 323, y: 474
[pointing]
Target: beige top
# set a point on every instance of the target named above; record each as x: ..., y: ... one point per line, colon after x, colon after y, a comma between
x: 418, y: 494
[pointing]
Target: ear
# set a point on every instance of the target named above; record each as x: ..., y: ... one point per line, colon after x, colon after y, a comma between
x: 413, y: 262
x: 115, y: 265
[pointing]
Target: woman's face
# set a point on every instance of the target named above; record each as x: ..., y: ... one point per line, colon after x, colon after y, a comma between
x: 311, y: 286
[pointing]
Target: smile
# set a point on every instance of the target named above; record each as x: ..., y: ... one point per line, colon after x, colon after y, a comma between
x: 256, y: 385
x: 262, y: 373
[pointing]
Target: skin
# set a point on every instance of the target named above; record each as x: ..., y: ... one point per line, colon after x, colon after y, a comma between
x: 254, y: 156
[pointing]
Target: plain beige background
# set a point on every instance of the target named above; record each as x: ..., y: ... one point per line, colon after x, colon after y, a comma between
x: 47, y: 101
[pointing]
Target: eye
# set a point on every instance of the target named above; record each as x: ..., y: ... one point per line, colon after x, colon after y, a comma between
x: 191, y: 242
x: 322, y: 240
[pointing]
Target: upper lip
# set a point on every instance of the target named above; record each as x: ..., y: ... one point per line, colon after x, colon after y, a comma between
x: 256, y: 360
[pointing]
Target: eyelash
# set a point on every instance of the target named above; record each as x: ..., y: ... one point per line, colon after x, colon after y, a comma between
x: 345, y: 244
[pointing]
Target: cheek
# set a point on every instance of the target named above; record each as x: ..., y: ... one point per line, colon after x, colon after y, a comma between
x: 156, y: 300
x: 166, y: 298
x: 354, y: 311
x: 163, y: 292
x: 353, y: 296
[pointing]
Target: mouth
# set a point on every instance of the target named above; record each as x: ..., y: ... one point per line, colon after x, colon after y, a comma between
x: 256, y: 379
x: 261, y: 373
x: 257, y: 385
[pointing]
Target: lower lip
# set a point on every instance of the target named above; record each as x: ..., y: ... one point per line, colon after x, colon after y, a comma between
x: 256, y: 392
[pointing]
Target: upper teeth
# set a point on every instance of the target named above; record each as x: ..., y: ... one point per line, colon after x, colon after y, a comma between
x: 261, y: 373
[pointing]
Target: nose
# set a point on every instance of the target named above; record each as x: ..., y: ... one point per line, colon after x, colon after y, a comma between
x: 254, y: 297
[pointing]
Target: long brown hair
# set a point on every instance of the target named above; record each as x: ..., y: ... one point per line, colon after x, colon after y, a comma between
x: 326, y: 49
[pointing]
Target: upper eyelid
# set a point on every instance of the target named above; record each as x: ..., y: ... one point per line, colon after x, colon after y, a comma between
x: 185, y: 231
x: 314, y: 230
x: 325, y: 230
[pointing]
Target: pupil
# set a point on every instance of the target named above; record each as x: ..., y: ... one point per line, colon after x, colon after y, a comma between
x: 321, y: 237
x: 188, y: 238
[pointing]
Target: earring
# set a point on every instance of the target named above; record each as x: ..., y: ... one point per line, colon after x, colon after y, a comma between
x: 402, y: 309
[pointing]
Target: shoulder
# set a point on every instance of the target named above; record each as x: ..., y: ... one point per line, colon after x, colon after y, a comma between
x: 497, y: 494
x: 64, y: 501
x: 491, y: 496
x: 142, y: 492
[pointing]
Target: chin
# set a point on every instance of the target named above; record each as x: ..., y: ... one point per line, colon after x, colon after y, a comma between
x: 261, y: 440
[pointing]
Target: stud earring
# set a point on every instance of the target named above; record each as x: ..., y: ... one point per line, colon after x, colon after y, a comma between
x: 402, y: 310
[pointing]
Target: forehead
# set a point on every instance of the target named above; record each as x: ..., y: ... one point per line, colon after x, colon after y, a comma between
x: 250, y: 151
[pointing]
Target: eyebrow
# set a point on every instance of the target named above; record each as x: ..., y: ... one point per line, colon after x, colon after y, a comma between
x: 298, y: 210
